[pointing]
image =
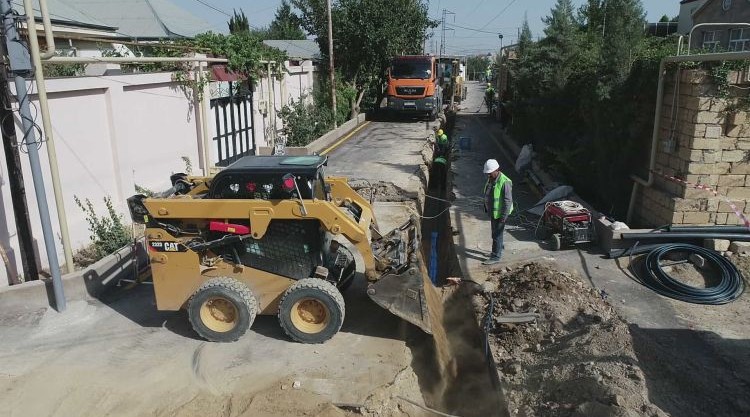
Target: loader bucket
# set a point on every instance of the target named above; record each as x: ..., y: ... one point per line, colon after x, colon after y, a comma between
x: 405, y: 288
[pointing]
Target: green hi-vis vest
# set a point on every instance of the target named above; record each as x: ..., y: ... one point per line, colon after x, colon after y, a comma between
x: 497, y: 197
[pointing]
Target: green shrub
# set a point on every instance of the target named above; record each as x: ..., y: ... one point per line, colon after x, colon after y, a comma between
x: 305, y: 121
x: 108, y: 233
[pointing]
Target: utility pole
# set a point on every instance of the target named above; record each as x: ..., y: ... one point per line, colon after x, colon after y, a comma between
x: 330, y: 63
x: 20, y: 66
x: 442, y: 31
x: 15, y: 179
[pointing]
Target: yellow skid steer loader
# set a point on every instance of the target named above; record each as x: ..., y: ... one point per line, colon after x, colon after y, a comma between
x: 264, y: 236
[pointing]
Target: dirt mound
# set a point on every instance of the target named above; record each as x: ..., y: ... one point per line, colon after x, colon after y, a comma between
x: 379, y: 190
x: 574, y: 357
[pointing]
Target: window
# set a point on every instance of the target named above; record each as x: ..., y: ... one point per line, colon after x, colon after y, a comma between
x: 739, y: 40
x: 710, y: 40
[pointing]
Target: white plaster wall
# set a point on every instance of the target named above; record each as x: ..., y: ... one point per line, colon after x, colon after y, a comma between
x: 298, y: 80
x: 109, y: 133
x: 112, y: 132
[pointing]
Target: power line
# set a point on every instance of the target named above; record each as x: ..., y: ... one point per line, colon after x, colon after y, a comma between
x: 498, y: 15
x: 214, y: 8
x: 471, y: 29
x: 475, y: 8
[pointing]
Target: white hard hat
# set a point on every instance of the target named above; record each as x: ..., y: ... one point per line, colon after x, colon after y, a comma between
x: 491, y: 166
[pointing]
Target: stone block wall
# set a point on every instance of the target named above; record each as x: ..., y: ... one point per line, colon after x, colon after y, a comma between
x: 702, y: 143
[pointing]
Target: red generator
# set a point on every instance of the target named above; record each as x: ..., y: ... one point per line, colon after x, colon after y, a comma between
x: 567, y: 223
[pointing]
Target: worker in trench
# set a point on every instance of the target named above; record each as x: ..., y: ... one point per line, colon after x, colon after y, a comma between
x: 498, y: 203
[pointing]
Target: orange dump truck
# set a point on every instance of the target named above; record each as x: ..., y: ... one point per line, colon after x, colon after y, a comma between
x: 413, y: 86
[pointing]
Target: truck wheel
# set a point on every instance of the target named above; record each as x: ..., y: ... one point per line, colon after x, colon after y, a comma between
x: 311, y: 311
x: 222, y: 309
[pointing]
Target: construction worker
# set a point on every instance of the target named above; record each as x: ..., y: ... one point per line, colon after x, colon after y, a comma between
x: 439, y: 172
x: 442, y: 145
x: 489, y: 97
x: 498, y: 203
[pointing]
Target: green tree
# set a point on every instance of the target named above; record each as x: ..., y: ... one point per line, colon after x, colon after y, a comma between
x: 238, y: 23
x: 525, y: 40
x: 622, y: 31
x: 591, y: 80
x: 367, y: 34
x: 560, y: 41
x: 665, y: 19
x: 475, y: 66
x: 245, y: 51
x: 286, y: 24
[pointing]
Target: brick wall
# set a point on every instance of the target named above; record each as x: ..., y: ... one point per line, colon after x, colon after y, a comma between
x: 702, y: 143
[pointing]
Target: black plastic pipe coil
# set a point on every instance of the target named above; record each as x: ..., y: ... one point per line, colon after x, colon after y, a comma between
x: 730, y: 287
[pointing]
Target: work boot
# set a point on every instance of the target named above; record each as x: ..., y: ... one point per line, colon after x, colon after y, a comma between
x: 492, y: 260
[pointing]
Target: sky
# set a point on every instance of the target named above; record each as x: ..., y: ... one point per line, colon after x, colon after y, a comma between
x: 493, y: 16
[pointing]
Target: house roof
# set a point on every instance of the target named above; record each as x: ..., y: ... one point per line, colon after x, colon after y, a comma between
x: 297, y: 49
x: 136, y: 19
x: 703, y: 7
x: 63, y: 14
x: 143, y: 19
x: 687, y: 1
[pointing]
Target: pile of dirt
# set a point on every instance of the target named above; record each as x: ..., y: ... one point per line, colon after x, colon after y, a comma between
x: 379, y: 190
x: 575, y: 358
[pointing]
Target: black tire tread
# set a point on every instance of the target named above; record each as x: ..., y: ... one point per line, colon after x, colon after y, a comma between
x: 317, y: 284
x: 351, y: 281
x: 231, y: 284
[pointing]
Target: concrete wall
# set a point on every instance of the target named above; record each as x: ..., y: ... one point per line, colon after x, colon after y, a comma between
x: 739, y: 12
x: 110, y: 133
x: 702, y: 143
x: 271, y: 95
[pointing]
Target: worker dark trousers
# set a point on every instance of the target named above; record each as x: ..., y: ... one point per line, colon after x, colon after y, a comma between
x: 498, y: 229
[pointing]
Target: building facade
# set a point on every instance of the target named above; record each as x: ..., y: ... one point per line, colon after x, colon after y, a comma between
x: 734, y: 37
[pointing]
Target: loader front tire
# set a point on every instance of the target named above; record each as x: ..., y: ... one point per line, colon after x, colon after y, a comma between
x: 222, y: 309
x: 311, y: 311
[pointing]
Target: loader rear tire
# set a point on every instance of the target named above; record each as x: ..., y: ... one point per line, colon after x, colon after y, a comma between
x: 311, y: 311
x: 222, y: 309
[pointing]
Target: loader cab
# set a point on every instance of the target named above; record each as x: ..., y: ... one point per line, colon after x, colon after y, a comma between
x: 272, y: 178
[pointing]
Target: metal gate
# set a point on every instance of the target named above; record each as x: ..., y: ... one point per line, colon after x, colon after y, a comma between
x: 233, y: 115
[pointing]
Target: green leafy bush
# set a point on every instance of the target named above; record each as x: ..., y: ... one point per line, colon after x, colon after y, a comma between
x: 593, y: 84
x: 108, y: 233
x: 305, y: 121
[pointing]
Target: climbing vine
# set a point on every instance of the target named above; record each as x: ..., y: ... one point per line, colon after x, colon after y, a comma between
x: 720, y: 75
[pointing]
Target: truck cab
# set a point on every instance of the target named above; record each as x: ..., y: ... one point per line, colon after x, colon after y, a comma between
x: 414, y: 87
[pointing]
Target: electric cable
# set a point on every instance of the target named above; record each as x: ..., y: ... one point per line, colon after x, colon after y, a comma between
x: 729, y: 288
x: 499, y: 14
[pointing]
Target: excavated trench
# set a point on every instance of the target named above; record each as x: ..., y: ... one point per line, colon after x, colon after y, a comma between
x: 464, y: 381
x: 454, y: 371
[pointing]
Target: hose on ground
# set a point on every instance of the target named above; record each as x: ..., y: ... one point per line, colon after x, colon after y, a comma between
x: 729, y: 288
